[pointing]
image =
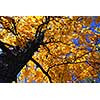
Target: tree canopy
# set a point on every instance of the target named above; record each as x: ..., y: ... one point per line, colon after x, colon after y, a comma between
x: 55, y: 49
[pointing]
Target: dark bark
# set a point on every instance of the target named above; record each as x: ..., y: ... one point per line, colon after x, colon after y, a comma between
x: 12, y: 61
x: 46, y: 73
x: 11, y: 64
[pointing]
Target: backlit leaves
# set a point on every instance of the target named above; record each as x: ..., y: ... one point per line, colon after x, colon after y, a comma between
x: 68, y: 49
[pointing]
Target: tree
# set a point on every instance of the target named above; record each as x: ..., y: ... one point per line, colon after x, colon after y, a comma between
x: 49, y: 48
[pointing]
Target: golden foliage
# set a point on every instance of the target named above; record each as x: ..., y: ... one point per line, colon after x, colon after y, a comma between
x: 57, y: 44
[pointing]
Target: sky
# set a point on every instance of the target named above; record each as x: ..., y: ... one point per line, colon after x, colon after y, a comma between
x: 76, y: 42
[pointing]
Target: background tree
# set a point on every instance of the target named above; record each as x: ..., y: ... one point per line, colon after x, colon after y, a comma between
x: 49, y: 48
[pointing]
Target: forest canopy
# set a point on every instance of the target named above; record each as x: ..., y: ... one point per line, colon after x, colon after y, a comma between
x: 55, y: 49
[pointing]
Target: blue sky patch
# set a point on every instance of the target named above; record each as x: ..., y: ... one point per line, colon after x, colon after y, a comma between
x: 76, y: 41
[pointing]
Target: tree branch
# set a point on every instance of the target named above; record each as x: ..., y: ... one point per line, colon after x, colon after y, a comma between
x: 11, y: 21
x: 16, y: 63
x: 46, y: 73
